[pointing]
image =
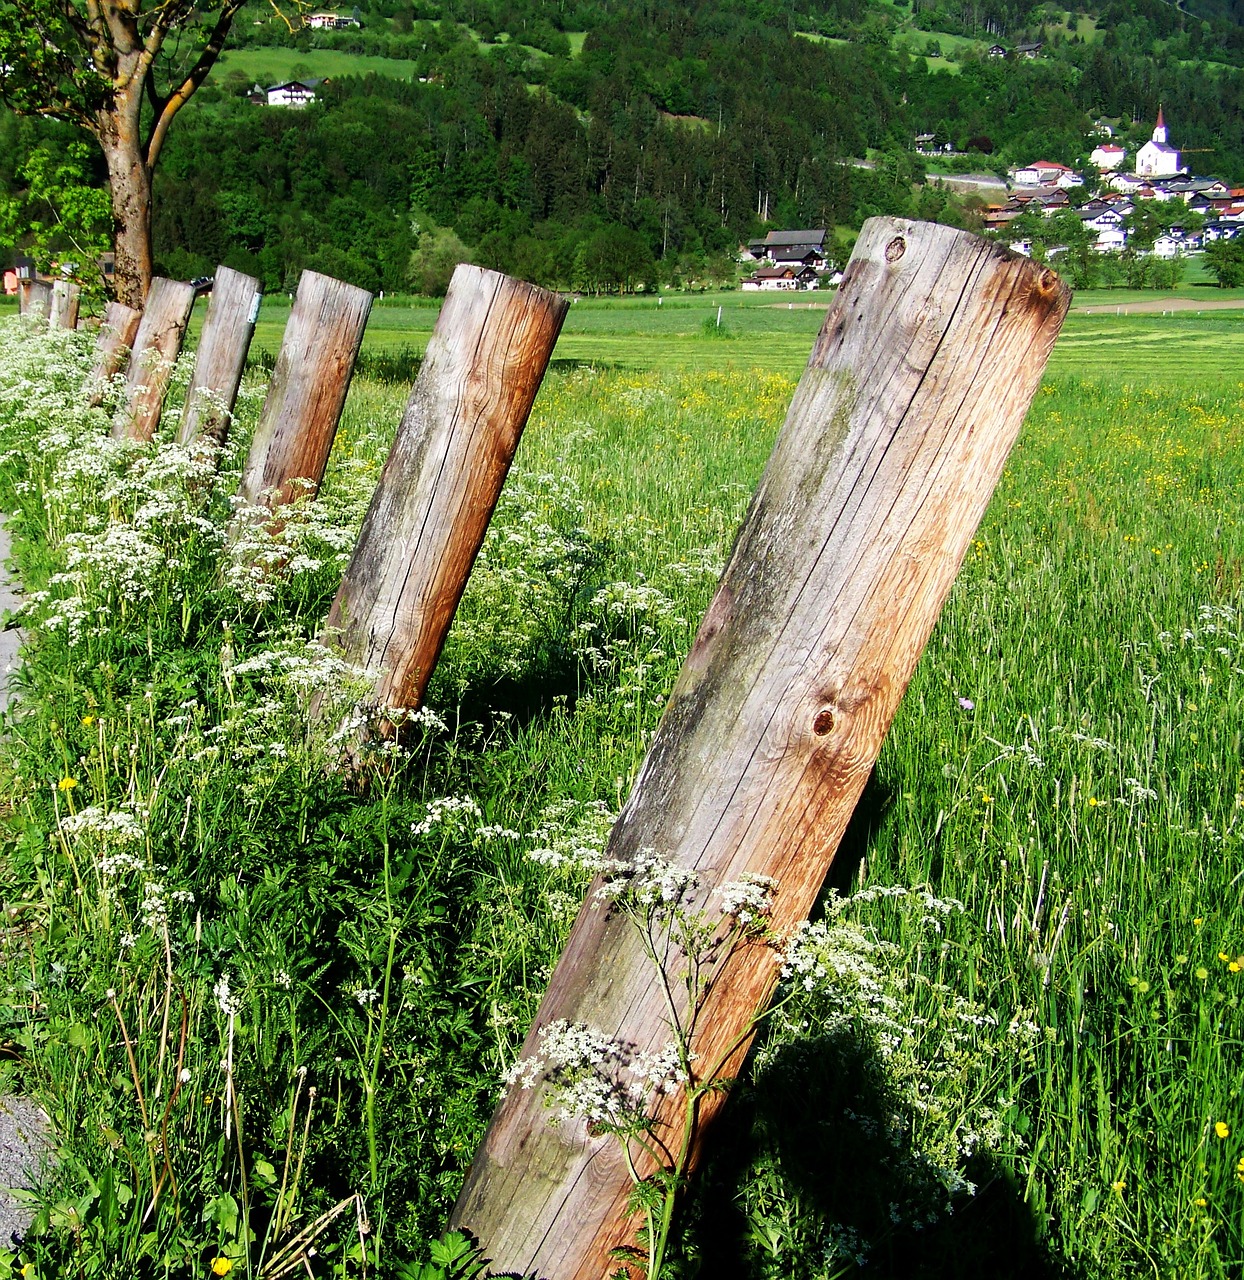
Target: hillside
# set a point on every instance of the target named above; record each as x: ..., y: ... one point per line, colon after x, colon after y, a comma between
x: 610, y: 144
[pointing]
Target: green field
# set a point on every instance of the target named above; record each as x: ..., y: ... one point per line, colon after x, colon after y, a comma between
x: 265, y: 66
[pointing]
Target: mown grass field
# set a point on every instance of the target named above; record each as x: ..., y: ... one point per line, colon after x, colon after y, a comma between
x: 1027, y: 1059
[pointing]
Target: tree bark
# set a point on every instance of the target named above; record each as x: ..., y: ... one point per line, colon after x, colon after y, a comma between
x: 913, y: 396
x: 307, y: 391
x: 440, y: 483
x: 117, y: 332
x: 156, y: 348
x: 221, y: 358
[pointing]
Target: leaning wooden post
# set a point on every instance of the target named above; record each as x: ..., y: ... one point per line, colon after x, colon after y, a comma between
x: 156, y: 347
x: 117, y: 332
x: 440, y: 483
x: 66, y: 297
x: 34, y: 298
x: 307, y: 391
x: 897, y: 434
x: 221, y: 357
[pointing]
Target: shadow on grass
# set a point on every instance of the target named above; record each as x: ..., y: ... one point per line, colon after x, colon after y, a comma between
x: 811, y: 1175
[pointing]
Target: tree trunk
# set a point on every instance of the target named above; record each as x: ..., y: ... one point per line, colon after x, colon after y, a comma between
x: 913, y: 396
x: 129, y: 180
x: 442, y: 478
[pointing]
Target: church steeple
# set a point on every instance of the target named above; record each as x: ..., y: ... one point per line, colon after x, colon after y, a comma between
x: 1159, y: 129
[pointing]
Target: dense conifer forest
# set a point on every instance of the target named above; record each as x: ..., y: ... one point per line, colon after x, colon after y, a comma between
x: 615, y: 144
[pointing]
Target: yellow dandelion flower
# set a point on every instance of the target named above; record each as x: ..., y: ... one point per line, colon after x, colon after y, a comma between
x: 1234, y: 966
x: 222, y: 1266
x: 1200, y: 1202
x: 1117, y: 1187
x: 88, y: 721
x: 66, y: 784
x: 1093, y: 802
x: 1222, y: 955
x: 1222, y: 1129
x: 1199, y: 921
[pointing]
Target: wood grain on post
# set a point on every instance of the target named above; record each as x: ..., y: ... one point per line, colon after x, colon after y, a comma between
x: 34, y: 298
x: 897, y: 434
x: 307, y: 391
x: 221, y: 357
x: 440, y: 483
x: 156, y: 348
x: 66, y: 298
x: 117, y: 332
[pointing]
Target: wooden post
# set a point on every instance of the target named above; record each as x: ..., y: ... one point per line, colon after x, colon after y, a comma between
x: 66, y: 296
x: 442, y: 478
x: 34, y: 298
x: 156, y: 347
x: 898, y: 431
x: 117, y: 332
x: 218, y: 365
x: 307, y: 391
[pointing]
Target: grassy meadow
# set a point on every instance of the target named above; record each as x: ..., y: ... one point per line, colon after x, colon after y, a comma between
x: 1023, y: 1057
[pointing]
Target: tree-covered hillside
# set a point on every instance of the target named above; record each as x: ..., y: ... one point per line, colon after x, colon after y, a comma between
x: 611, y: 143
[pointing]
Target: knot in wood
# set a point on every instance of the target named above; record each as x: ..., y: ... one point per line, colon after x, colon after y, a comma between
x: 824, y: 722
x: 1049, y: 281
x: 895, y: 249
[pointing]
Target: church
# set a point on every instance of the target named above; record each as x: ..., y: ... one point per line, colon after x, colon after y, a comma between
x: 1157, y: 159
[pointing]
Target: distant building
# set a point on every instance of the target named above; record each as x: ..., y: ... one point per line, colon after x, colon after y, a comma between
x: 1047, y: 172
x: 1028, y: 50
x: 330, y: 21
x: 1157, y: 159
x: 997, y: 51
x: 1107, y: 157
x: 293, y: 93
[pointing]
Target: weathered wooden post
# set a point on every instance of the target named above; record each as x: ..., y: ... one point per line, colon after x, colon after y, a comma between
x: 440, y: 483
x: 307, y: 391
x: 156, y: 347
x: 914, y: 393
x: 34, y: 298
x: 117, y: 332
x: 221, y: 357
x: 66, y: 297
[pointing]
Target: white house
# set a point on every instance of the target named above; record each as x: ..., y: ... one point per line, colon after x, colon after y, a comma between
x: 1047, y: 173
x: 294, y: 93
x: 1110, y: 240
x: 1168, y: 247
x: 1108, y: 156
x: 330, y: 21
x: 1157, y: 159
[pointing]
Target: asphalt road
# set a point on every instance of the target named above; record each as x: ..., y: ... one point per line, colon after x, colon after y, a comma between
x: 23, y: 1126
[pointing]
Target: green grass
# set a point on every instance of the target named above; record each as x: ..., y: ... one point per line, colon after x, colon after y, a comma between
x: 1066, y: 1042
x: 267, y: 66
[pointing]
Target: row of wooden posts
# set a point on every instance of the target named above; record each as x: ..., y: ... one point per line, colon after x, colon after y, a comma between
x: 896, y: 436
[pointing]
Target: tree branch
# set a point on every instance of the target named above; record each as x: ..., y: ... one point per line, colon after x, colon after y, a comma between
x: 178, y: 97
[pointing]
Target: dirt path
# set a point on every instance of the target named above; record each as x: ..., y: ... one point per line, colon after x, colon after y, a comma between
x: 23, y: 1126
x: 1151, y: 305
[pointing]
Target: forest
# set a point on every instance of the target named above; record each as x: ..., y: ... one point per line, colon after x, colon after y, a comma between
x: 641, y: 151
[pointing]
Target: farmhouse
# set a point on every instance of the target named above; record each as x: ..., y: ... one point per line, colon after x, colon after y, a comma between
x: 293, y: 93
x: 330, y: 21
x: 788, y: 277
x: 1044, y: 172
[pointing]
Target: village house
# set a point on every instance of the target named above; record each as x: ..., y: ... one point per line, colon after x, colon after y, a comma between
x: 778, y: 279
x: 330, y: 21
x: 1044, y: 172
x: 1108, y: 156
x: 293, y: 93
x: 997, y: 51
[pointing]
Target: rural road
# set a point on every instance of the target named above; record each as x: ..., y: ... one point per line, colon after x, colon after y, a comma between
x: 23, y: 1126
x: 1151, y: 305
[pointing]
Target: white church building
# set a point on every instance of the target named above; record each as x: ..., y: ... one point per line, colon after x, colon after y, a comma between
x: 1157, y: 159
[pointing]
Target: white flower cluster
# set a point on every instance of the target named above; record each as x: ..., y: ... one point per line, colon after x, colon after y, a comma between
x: 747, y: 899
x: 596, y: 1078
x: 647, y: 880
x: 448, y: 813
x: 112, y: 827
x: 225, y: 999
